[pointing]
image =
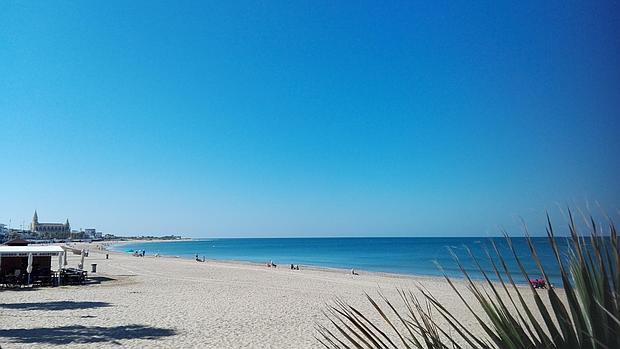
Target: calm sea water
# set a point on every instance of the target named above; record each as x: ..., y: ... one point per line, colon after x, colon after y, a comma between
x: 417, y: 256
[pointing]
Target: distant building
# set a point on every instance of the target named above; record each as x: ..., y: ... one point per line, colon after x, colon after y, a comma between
x: 90, y: 233
x: 50, y: 229
x: 4, y: 233
x: 77, y: 235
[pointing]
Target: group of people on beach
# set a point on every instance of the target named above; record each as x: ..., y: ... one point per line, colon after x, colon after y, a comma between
x: 538, y: 283
x: 139, y: 253
x: 271, y: 264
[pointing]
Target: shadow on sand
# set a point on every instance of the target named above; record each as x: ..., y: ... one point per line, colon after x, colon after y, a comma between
x: 18, y: 289
x: 68, y: 305
x: 84, y: 334
x: 95, y: 280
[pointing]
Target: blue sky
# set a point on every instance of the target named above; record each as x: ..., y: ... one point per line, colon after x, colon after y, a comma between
x: 307, y: 118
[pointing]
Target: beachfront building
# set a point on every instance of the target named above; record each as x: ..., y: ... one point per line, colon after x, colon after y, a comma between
x: 50, y: 230
x: 20, y: 263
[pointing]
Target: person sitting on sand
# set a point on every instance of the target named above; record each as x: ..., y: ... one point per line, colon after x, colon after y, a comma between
x: 542, y: 283
x: 538, y: 283
x: 353, y: 272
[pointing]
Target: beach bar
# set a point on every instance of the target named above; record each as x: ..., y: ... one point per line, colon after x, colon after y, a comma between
x: 22, y: 265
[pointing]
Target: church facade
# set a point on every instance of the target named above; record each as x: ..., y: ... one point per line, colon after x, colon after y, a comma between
x: 50, y: 229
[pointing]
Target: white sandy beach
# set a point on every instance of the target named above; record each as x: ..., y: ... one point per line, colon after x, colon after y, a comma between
x: 170, y: 302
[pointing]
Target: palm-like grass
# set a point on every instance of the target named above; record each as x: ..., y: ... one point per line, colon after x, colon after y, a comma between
x: 587, y: 316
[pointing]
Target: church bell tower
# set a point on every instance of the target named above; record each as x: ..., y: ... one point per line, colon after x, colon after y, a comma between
x: 35, y: 221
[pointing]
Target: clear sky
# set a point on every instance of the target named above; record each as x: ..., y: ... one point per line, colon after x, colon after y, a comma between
x: 307, y: 118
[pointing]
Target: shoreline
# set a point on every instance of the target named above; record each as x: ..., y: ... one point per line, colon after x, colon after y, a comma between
x: 233, y: 262
x: 318, y: 268
x: 335, y: 270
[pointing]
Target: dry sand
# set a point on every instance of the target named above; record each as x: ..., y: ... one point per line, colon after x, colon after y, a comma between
x: 167, y: 302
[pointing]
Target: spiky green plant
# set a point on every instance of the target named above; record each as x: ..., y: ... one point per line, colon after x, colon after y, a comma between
x: 585, y: 315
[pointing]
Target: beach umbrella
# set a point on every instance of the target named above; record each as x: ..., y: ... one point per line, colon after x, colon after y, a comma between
x: 82, y: 259
x: 60, y: 263
x: 29, y: 268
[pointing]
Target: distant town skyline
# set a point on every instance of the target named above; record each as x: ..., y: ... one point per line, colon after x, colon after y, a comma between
x: 307, y: 118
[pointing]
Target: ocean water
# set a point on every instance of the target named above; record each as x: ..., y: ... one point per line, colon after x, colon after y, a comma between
x: 415, y: 256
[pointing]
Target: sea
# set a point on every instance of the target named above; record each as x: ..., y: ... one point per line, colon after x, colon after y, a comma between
x: 430, y: 256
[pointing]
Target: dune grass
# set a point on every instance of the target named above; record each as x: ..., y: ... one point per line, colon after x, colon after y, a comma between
x: 585, y: 315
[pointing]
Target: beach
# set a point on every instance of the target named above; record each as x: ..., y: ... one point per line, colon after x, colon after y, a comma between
x: 164, y: 302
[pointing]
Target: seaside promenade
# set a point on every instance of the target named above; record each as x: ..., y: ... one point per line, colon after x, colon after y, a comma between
x: 162, y: 302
